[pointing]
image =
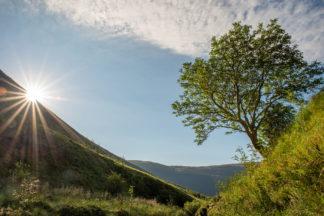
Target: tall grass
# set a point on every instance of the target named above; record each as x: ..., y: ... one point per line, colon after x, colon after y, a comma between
x: 290, y: 180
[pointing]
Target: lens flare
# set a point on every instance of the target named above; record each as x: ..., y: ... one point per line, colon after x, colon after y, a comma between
x: 23, y: 108
x: 34, y: 94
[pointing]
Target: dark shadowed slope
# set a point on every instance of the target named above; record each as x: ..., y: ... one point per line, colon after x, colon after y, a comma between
x: 61, y: 156
x: 203, y: 179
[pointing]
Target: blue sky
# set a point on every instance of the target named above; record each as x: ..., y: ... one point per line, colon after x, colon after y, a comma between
x: 115, y: 64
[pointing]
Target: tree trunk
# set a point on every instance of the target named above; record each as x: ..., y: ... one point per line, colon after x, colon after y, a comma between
x: 255, y: 142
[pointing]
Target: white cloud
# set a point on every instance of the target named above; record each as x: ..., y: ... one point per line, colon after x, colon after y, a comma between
x: 186, y: 26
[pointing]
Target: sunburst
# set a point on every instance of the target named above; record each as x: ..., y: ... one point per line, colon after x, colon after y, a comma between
x: 18, y: 101
x: 34, y: 94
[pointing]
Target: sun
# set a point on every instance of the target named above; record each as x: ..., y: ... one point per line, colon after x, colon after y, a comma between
x: 34, y: 94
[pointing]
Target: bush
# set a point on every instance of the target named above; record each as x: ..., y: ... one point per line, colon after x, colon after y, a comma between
x: 192, y: 207
x: 81, y: 211
x: 27, y: 190
x: 116, y: 184
x: 122, y: 213
x: 6, y: 200
x: 38, y: 205
x: 8, y: 211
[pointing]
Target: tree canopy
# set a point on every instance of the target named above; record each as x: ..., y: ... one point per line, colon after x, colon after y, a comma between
x: 252, y: 82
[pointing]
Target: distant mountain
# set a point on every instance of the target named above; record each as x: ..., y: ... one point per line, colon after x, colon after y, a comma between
x: 60, y: 156
x: 203, y: 179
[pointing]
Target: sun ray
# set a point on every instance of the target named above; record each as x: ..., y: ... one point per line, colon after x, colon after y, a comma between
x: 48, y: 135
x: 16, y: 136
x: 4, y: 99
x: 7, y: 109
x: 35, y: 147
x: 12, y: 118
x: 12, y: 84
x: 24, y: 113
x: 16, y: 93
x: 42, y: 119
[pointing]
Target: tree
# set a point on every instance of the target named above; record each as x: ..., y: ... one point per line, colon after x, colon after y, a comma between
x: 275, y: 123
x: 251, y: 79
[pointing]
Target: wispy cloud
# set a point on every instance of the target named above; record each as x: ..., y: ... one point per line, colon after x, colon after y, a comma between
x: 186, y: 26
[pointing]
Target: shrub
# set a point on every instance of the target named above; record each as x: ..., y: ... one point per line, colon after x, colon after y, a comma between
x: 122, y: 213
x: 20, y: 172
x: 8, y: 211
x: 116, y: 184
x: 131, y: 191
x: 71, y: 192
x: 81, y: 211
x: 27, y: 190
x: 192, y: 207
x: 38, y: 205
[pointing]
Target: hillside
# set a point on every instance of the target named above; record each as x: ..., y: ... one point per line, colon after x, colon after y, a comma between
x: 60, y: 156
x: 203, y: 179
x: 290, y: 181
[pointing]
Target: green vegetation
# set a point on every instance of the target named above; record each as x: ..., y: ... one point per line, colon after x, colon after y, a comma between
x: 77, y: 166
x: 251, y: 83
x: 290, y: 180
x: 77, y: 202
x: 25, y: 195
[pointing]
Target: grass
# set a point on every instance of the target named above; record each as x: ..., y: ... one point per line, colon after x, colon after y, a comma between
x: 67, y: 163
x: 26, y: 195
x: 57, y: 205
x: 290, y: 180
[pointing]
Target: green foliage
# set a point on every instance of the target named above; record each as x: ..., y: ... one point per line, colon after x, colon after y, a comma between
x: 192, y: 207
x: 21, y: 171
x: 249, y: 159
x: 290, y: 180
x: 81, y: 211
x: 78, y: 201
x: 8, y: 211
x: 76, y: 166
x: 27, y: 186
x: 250, y: 80
x: 195, y: 208
x: 27, y: 190
x: 116, y: 184
x: 276, y: 122
x: 131, y: 191
x: 64, y: 204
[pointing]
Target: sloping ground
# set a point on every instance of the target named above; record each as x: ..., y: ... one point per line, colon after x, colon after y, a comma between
x: 60, y: 156
x: 203, y: 179
x: 291, y: 180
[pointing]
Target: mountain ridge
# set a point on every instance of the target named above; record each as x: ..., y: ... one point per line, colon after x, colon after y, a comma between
x: 201, y: 179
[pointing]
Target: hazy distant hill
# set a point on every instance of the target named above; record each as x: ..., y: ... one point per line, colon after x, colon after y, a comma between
x: 60, y: 156
x: 201, y: 179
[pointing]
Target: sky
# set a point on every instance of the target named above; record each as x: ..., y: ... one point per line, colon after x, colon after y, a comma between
x: 111, y: 67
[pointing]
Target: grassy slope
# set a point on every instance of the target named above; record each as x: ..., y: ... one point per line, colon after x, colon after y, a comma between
x: 70, y: 159
x: 291, y: 180
x: 76, y: 202
x: 73, y: 164
x: 202, y: 179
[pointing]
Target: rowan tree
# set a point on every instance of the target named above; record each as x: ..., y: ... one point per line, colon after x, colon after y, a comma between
x: 252, y: 82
